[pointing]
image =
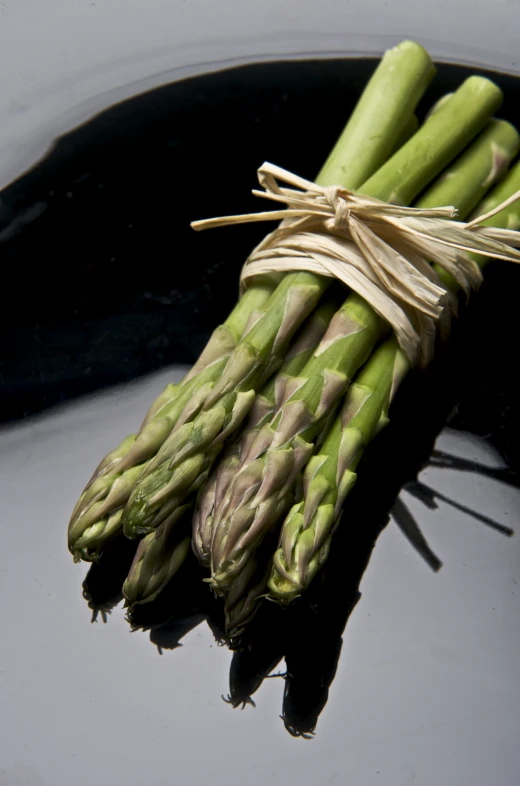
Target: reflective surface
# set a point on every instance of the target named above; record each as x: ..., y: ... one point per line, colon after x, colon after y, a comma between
x: 427, y: 684
x: 416, y: 680
x: 113, y: 282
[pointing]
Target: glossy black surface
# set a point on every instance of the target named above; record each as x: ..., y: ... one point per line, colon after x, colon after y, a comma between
x: 103, y: 279
x: 104, y: 282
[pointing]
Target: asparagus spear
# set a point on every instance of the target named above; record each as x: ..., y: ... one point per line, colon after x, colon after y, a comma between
x: 329, y: 476
x: 213, y: 491
x: 265, y: 403
x: 161, y: 553
x: 161, y: 402
x: 381, y: 113
x: 96, y: 518
x: 240, y: 603
x: 261, y: 490
x: 306, y: 533
x: 158, y: 558
x: 481, y: 165
x: 245, y: 594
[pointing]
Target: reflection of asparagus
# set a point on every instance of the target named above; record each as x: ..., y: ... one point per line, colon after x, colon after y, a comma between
x: 265, y: 403
x: 306, y: 532
x: 96, y: 519
x: 310, y: 673
x: 168, y: 637
x: 261, y: 490
x: 255, y: 662
x: 382, y: 113
x: 102, y: 586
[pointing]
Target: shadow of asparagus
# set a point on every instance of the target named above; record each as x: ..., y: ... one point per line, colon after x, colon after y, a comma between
x: 261, y: 649
x: 182, y: 605
x: 102, y: 586
x: 444, y: 460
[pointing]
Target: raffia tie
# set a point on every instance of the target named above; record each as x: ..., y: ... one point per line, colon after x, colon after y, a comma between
x: 381, y: 251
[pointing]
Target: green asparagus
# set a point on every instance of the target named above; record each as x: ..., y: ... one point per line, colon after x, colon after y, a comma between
x: 381, y: 113
x: 245, y: 595
x: 329, y: 476
x: 306, y: 532
x: 158, y: 558
x: 383, y: 116
x: 96, y: 518
x: 265, y: 403
x: 261, y: 490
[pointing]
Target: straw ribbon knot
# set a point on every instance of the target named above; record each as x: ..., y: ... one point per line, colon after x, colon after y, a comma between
x: 383, y: 252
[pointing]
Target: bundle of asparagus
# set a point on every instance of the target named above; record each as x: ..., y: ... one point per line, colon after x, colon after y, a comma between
x: 253, y: 454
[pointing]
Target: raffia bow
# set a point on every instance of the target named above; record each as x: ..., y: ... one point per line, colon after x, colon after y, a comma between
x: 381, y: 251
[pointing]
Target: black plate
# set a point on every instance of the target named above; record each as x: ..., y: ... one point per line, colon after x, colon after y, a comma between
x: 104, y: 282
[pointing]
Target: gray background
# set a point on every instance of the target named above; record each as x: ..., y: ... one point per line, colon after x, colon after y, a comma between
x: 428, y: 686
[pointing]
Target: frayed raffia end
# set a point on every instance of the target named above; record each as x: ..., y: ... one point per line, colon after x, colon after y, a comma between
x: 381, y: 251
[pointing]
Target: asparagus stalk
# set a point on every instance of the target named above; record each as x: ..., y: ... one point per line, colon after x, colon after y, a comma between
x: 262, y: 488
x: 161, y: 402
x: 96, y: 518
x: 245, y: 595
x: 158, y: 558
x: 440, y: 140
x: 260, y: 353
x: 161, y: 553
x: 265, y: 403
x: 183, y: 598
x: 212, y: 492
x: 260, y: 492
x: 506, y: 219
x: 329, y: 476
x: 305, y: 343
x: 478, y: 167
x: 383, y: 115
x: 306, y: 533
